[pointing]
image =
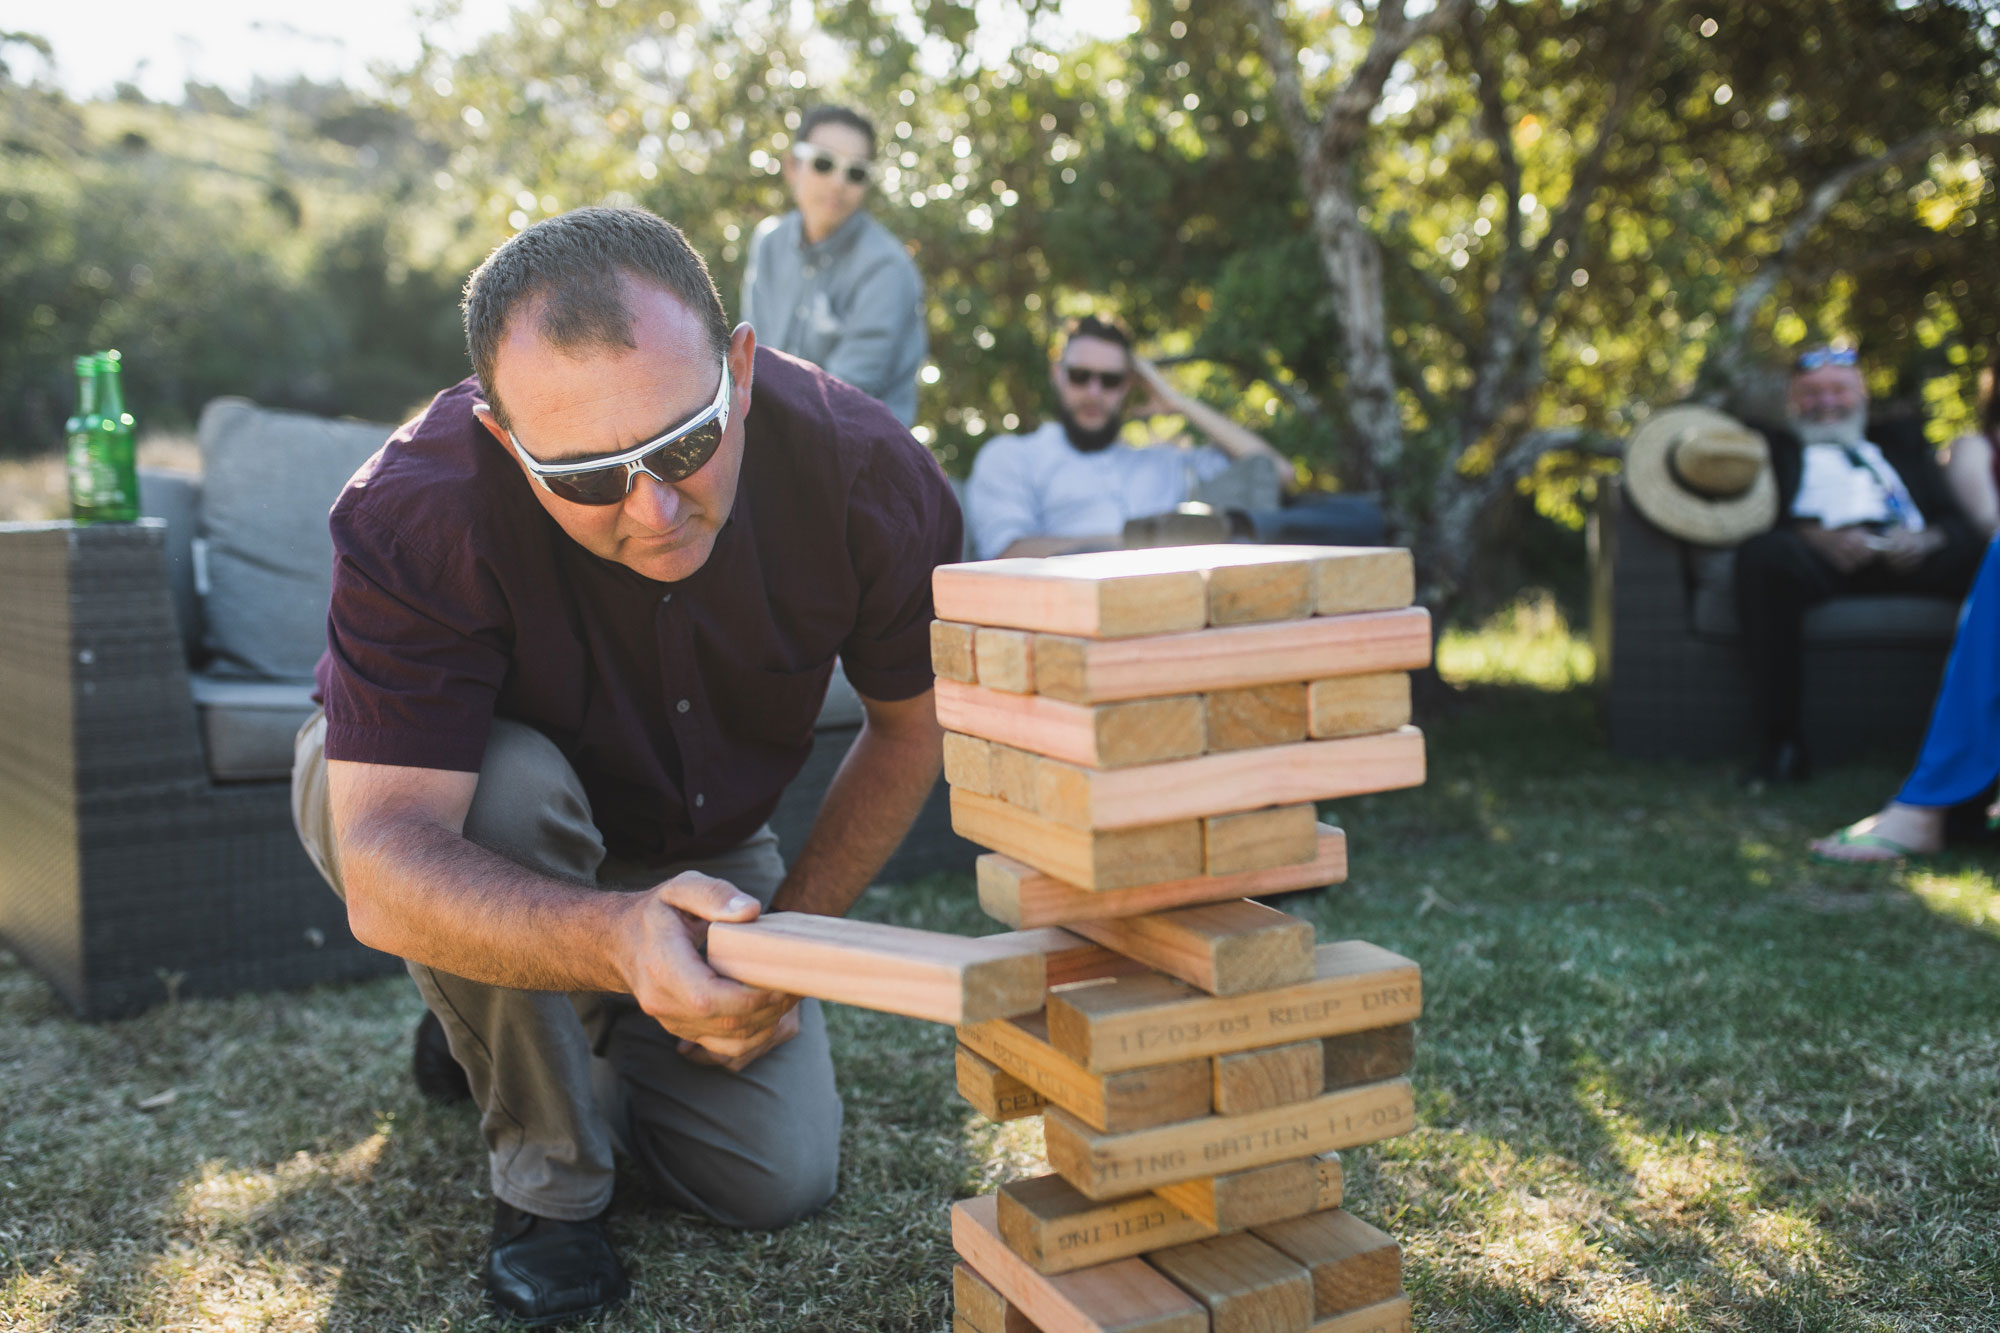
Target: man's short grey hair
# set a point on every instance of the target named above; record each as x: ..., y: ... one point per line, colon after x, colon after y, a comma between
x: 569, y: 267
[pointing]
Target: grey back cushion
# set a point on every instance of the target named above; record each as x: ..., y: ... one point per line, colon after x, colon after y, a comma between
x: 268, y: 480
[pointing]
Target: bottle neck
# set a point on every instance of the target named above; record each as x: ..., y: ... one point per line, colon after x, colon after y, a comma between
x: 110, y: 392
x: 86, y: 393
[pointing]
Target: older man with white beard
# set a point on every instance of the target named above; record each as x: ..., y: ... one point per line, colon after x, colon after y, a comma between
x: 1863, y: 508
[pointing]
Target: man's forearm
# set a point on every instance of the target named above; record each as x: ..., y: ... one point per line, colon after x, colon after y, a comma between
x: 1043, y: 546
x: 870, y: 804
x: 418, y: 890
x: 1236, y: 440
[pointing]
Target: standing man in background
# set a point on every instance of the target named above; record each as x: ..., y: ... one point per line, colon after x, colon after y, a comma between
x: 826, y: 281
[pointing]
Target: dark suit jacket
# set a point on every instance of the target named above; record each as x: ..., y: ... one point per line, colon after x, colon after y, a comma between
x: 1901, y: 440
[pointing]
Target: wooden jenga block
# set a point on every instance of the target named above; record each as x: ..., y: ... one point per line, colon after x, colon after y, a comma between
x: 993, y: 1092
x: 1005, y: 659
x: 1021, y: 895
x: 1084, y: 671
x: 1363, y: 578
x: 1130, y: 1099
x: 1014, y: 774
x: 1127, y: 1022
x: 1248, y: 1198
x: 1115, y: 859
x: 1065, y: 957
x: 1332, y: 1181
x: 1247, y: 1286
x: 984, y: 1310
x: 1056, y: 1227
x: 1269, y: 1076
x: 1369, y: 1056
x: 1390, y: 1316
x: 1277, y: 588
x: 918, y: 973
x: 1283, y: 835
x: 1256, y: 716
x: 1107, y: 595
x: 951, y: 651
x: 1221, y: 784
x: 968, y: 763
x: 1048, y: 1222
x: 1116, y: 735
x: 1224, y: 948
x: 1105, y: 1166
x: 1128, y: 1296
x: 1352, y: 1263
x: 1357, y: 705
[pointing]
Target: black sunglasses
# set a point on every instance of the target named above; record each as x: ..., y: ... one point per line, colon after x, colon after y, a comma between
x: 674, y: 456
x: 1079, y: 376
x: 825, y: 162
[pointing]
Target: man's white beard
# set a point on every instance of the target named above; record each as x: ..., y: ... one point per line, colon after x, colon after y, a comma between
x: 1833, y: 430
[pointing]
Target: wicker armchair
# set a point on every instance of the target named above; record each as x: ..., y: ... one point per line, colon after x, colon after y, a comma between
x: 1670, y: 678
x: 146, y: 840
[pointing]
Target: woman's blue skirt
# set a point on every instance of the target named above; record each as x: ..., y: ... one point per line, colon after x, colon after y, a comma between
x: 1961, y: 753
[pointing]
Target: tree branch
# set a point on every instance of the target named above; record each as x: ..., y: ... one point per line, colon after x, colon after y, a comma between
x: 1283, y: 58
x: 1820, y: 202
x: 1505, y: 317
x: 1347, y: 112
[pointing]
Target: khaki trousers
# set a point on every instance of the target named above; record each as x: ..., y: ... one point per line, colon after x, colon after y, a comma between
x: 560, y: 1078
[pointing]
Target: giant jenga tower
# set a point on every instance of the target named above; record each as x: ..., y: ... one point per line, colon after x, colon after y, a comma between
x: 1139, y: 737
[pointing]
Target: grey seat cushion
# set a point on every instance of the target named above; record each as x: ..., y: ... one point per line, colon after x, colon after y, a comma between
x: 1841, y: 622
x: 268, y: 480
x: 248, y: 726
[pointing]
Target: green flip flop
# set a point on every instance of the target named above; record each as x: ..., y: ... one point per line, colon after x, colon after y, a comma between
x: 1893, y: 851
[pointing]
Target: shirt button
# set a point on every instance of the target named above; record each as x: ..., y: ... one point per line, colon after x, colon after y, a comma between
x: 668, y: 598
x: 681, y: 707
x: 699, y: 800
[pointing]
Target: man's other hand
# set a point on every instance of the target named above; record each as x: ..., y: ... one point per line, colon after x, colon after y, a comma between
x: 717, y: 1020
x: 1905, y: 550
x: 1846, y: 549
x: 1161, y: 399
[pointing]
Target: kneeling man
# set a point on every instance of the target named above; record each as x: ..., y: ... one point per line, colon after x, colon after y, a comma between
x: 585, y: 610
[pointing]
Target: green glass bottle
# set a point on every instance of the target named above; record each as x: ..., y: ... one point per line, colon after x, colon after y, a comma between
x: 78, y: 433
x: 113, y: 466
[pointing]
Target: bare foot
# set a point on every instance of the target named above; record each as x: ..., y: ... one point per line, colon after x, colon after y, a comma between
x: 1890, y: 834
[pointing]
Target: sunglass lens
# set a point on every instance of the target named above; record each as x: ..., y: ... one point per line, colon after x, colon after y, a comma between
x: 685, y: 456
x: 1111, y: 379
x: 857, y: 175
x: 823, y: 165
x: 606, y: 486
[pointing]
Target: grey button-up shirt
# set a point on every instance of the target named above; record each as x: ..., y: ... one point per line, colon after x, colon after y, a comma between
x: 853, y: 305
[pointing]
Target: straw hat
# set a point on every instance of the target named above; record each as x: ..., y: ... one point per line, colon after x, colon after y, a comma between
x: 1702, y: 476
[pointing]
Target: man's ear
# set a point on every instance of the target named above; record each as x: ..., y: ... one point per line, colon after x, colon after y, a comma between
x: 742, y: 366
x: 491, y: 422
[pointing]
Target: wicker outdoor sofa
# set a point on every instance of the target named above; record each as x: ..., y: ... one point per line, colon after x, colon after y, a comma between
x: 1670, y: 676
x: 152, y: 676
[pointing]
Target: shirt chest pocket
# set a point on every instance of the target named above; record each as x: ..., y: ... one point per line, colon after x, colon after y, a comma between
x: 775, y: 708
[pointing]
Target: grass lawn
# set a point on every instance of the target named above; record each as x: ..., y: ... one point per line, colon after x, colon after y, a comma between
x: 1671, y: 1075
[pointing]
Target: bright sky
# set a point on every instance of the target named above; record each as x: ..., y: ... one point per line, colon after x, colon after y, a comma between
x: 160, y: 44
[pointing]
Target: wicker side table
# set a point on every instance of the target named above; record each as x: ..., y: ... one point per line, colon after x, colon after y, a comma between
x: 126, y: 874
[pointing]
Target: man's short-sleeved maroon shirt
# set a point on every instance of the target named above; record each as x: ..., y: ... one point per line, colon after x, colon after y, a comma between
x: 684, y: 707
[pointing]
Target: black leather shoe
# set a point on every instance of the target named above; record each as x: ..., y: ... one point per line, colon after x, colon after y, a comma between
x: 439, y: 1077
x: 1784, y: 761
x: 542, y: 1271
